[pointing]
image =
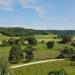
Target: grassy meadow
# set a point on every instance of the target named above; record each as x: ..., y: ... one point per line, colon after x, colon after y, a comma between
x: 41, y: 53
x: 44, y: 68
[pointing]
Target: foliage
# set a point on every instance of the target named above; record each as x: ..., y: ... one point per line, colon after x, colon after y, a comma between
x: 15, y: 54
x: 42, y: 41
x: 73, y: 43
x: 67, y: 52
x: 17, y: 31
x: 3, y: 67
x: 31, y: 40
x: 29, y: 53
x: 65, y: 39
x: 4, y: 43
x: 50, y: 44
x: 58, y: 72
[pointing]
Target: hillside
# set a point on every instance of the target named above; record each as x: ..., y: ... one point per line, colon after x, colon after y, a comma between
x: 17, y: 31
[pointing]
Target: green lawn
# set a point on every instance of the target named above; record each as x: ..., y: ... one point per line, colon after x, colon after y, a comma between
x: 44, y: 68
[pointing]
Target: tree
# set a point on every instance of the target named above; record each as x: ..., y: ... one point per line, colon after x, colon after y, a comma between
x: 3, y: 67
x: 4, y: 43
x: 29, y: 53
x: 50, y: 44
x: 73, y: 58
x: 11, y: 41
x: 31, y: 40
x: 73, y: 43
x: 65, y: 39
x: 22, y: 40
x: 67, y: 52
x: 15, y: 54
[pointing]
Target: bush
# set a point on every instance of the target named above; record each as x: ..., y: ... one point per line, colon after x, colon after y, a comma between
x: 73, y: 43
x: 42, y: 41
x: 50, y: 44
x: 31, y: 40
x: 65, y: 39
x: 67, y: 52
x: 58, y: 72
x: 3, y: 67
x: 29, y: 53
x: 4, y: 43
x: 15, y: 54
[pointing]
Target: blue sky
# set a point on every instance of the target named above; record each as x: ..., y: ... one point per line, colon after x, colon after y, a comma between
x: 38, y: 14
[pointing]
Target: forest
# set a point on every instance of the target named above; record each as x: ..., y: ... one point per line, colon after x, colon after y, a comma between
x: 18, y: 31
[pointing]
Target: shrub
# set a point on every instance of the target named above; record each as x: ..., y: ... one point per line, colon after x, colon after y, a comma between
x: 42, y: 41
x: 31, y: 40
x: 3, y: 67
x: 50, y: 44
x: 29, y: 53
x: 67, y: 52
x: 58, y: 72
x: 15, y: 54
x: 65, y: 39
x: 73, y: 43
x: 4, y: 43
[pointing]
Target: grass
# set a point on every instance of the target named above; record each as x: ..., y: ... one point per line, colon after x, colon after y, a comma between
x: 44, y: 68
x: 46, y: 38
x: 4, y: 52
x: 41, y: 53
x: 3, y: 37
x: 50, y: 36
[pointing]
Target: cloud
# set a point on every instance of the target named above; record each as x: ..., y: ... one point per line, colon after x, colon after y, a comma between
x: 39, y: 10
x: 33, y: 4
x: 6, y: 5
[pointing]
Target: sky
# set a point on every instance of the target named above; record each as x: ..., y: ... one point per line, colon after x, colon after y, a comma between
x: 38, y: 14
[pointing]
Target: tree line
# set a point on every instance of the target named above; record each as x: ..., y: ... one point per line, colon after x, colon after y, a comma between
x: 18, y: 31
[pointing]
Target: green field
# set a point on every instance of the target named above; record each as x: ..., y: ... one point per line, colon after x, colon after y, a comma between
x: 41, y: 53
x: 46, y: 38
x: 44, y: 68
x: 3, y: 37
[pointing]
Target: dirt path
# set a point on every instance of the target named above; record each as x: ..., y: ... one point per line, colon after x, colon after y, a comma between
x: 32, y: 63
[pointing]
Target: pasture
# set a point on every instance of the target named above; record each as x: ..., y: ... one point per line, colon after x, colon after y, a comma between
x: 44, y: 68
x: 41, y: 53
x: 41, y: 49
